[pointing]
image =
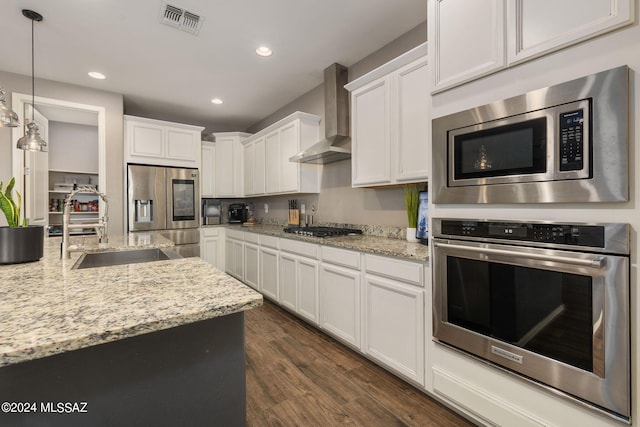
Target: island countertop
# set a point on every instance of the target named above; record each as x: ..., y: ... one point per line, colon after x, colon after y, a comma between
x: 47, y: 308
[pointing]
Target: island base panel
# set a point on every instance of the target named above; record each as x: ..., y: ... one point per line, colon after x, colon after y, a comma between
x: 188, y: 375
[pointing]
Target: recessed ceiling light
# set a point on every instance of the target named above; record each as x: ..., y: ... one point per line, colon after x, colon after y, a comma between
x: 216, y: 101
x: 97, y: 75
x: 264, y: 51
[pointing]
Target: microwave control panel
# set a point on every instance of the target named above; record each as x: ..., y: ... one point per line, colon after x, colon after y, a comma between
x: 571, y: 136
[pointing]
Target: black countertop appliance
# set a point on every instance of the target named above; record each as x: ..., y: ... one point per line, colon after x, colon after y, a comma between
x: 238, y: 213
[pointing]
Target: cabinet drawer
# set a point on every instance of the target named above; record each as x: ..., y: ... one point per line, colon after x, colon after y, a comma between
x: 269, y: 241
x: 252, y: 238
x: 342, y: 257
x: 210, y: 231
x: 410, y: 272
x: 235, y: 234
x: 299, y: 248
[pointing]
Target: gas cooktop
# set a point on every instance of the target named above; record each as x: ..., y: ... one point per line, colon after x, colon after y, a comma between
x: 321, y: 231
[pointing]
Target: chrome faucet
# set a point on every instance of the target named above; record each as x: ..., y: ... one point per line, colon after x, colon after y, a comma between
x: 100, y: 227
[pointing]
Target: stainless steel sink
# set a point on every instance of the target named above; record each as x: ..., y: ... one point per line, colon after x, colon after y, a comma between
x: 104, y: 259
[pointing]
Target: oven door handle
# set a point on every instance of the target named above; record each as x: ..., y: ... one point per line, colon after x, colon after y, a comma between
x: 596, y: 261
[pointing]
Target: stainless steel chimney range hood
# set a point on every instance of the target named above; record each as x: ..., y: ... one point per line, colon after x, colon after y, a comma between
x: 336, y: 145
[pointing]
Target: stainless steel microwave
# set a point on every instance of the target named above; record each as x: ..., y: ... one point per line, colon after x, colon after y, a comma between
x: 567, y: 143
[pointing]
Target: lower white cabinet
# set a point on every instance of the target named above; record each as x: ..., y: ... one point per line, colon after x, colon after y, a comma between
x: 212, y: 246
x: 288, y: 281
x: 234, y: 254
x: 393, y: 331
x: 269, y: 262
x: 339, y: 295
x: 372, y: 303
x: 299, y: 278
x: 269, y: 277
x: 252, y: 265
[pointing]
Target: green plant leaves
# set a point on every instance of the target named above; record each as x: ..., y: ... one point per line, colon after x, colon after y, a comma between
x: 10, y: 208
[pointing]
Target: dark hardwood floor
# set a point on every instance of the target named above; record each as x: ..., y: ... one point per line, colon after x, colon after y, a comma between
x: 298, y: 376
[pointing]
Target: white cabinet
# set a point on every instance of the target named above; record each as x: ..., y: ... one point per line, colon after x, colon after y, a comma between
x: 410, y: 135
x: 251, y: 260
x: 390, y: 122
x: 371, y: 134
x: 393, y: 322
x: 272, y: 162
x: 212, y: 246
x: 273, y: 173
x: 229, y: 176
x: 339, y: 294
x: 534, y: 30
x: 299, y: 278
x: 288, y: 281
x: 468, y: 38
x: 234, y: 254
x: 254, y: 166
x: 207, y: 177
x: 269, y: 262
x: 157, y: 142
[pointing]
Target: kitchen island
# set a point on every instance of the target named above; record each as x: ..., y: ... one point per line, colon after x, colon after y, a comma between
x: 155, y: 343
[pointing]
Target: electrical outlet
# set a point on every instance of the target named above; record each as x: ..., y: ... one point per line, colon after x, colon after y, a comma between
x: 266, y: 208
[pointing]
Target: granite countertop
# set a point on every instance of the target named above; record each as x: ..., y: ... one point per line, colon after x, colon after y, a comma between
x: 47, y: 308
x: 398, y: 248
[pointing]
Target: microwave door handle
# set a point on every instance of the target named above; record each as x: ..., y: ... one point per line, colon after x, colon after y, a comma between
x: 596, y: 261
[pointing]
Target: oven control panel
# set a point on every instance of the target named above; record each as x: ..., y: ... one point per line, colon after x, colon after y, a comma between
x: 563, y: 234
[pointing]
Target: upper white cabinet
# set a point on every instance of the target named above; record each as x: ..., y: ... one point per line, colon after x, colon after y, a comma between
x: 468, y: 38
x: 412, y: 129
x: 156, y: 142
x: 390, y: 122
x: 534, y: 30
x: 207, y: 169
x: 371, y: 133
x: 228, y: 171
x: 271, y: 149
x: 254, y: 166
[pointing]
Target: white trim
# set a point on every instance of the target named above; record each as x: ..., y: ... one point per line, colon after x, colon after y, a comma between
x: 18, y: 101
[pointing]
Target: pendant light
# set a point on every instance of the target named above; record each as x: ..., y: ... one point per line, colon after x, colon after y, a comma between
x: 31, y: 140
x: 8, y: 117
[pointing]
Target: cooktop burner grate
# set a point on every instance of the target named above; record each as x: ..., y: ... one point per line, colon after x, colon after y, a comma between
x: 322, y: 231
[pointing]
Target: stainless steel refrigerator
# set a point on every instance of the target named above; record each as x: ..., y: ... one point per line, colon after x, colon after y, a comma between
x: 167, y: 200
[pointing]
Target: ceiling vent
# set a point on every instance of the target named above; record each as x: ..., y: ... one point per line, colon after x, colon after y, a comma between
x: 180, y: 18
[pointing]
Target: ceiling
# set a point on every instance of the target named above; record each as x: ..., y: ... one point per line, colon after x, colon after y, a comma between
x: 170, y: 74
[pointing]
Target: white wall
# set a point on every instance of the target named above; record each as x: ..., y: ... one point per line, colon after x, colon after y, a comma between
x: 621, y: 47
x: 73, y: 147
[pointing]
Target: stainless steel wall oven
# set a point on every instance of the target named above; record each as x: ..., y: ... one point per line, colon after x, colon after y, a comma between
x: 547, y: 301
x: 564, y: 143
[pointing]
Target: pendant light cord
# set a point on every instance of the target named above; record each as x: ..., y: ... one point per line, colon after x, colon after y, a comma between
x: 33, y: 78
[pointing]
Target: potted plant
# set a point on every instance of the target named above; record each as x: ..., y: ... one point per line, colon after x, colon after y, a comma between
x: 411, y: 200
x: 19, y: 241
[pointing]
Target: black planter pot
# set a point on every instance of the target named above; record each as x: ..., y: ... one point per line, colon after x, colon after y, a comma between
x: 21, y: 244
